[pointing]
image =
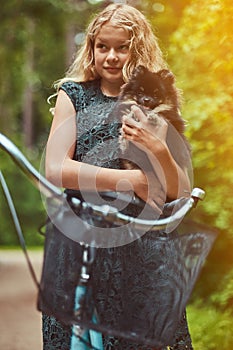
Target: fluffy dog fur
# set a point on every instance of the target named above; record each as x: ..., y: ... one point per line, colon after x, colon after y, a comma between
x: 158, y: 97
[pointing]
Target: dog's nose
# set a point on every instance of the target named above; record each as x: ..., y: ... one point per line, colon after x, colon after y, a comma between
x: 148, y: 101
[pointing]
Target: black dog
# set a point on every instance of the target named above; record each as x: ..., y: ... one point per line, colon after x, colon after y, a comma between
x: 155, y: 93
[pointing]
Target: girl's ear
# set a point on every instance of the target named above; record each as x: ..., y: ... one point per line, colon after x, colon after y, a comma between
x: 167, y: 75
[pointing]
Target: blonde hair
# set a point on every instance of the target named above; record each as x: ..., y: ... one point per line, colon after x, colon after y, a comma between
x: 144, y: 48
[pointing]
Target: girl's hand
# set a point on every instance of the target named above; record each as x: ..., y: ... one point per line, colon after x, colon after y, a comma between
x: 151, y: 139
x: 143, y: 133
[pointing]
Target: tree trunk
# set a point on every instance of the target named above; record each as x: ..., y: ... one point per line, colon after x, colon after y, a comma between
x: 28, y: 91
x: 70, y: 43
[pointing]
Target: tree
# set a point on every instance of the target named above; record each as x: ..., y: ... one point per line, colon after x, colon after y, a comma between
x: 203, y: 43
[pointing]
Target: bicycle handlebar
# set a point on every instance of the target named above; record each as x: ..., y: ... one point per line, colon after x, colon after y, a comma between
x: 109, y: 213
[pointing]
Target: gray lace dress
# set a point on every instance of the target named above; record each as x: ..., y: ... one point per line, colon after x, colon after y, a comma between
x: 113, y: 272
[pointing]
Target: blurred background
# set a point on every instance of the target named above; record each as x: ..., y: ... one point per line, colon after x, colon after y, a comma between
x: 38, y: 39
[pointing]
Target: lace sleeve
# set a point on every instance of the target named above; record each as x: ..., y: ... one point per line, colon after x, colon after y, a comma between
x: 74, y: 91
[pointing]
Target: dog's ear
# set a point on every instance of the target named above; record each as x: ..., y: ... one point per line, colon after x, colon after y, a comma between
x: 139, y: 70
x: 167, y: 75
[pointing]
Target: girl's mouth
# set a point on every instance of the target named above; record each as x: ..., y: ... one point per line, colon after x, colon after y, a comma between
x: 112, y: 69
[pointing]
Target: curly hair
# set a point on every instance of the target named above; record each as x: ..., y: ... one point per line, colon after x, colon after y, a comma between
x: 144, y: 48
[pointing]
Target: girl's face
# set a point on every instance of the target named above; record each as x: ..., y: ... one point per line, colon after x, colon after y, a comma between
x: 111, y: 52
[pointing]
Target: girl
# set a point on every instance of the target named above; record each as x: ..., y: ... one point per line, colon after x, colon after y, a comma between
x: 117, y: 40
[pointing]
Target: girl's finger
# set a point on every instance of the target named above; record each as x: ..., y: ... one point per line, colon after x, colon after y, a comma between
x: 129, y: 129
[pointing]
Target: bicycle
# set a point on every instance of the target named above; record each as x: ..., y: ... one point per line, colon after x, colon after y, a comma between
x: 191, y: 252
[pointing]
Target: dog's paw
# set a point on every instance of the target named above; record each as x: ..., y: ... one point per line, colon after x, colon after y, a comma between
x: 154, y: 118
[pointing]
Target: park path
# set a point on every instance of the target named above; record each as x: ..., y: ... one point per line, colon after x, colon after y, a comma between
x: 20, y: 321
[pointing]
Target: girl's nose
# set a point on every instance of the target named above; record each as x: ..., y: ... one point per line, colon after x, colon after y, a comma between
x: 112, y: 55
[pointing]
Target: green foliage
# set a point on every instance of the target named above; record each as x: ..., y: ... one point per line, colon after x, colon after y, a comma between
x: 223, y: 297
x: 201, y: 56
x: 202, y: 59
x: 210, y: 328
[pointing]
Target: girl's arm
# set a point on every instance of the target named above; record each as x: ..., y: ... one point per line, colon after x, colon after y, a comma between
x: 173, y: 178
x: 63, y: 171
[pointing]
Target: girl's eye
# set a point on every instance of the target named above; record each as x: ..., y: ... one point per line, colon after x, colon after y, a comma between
x: 124, y: 47
x: 101, y: 46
